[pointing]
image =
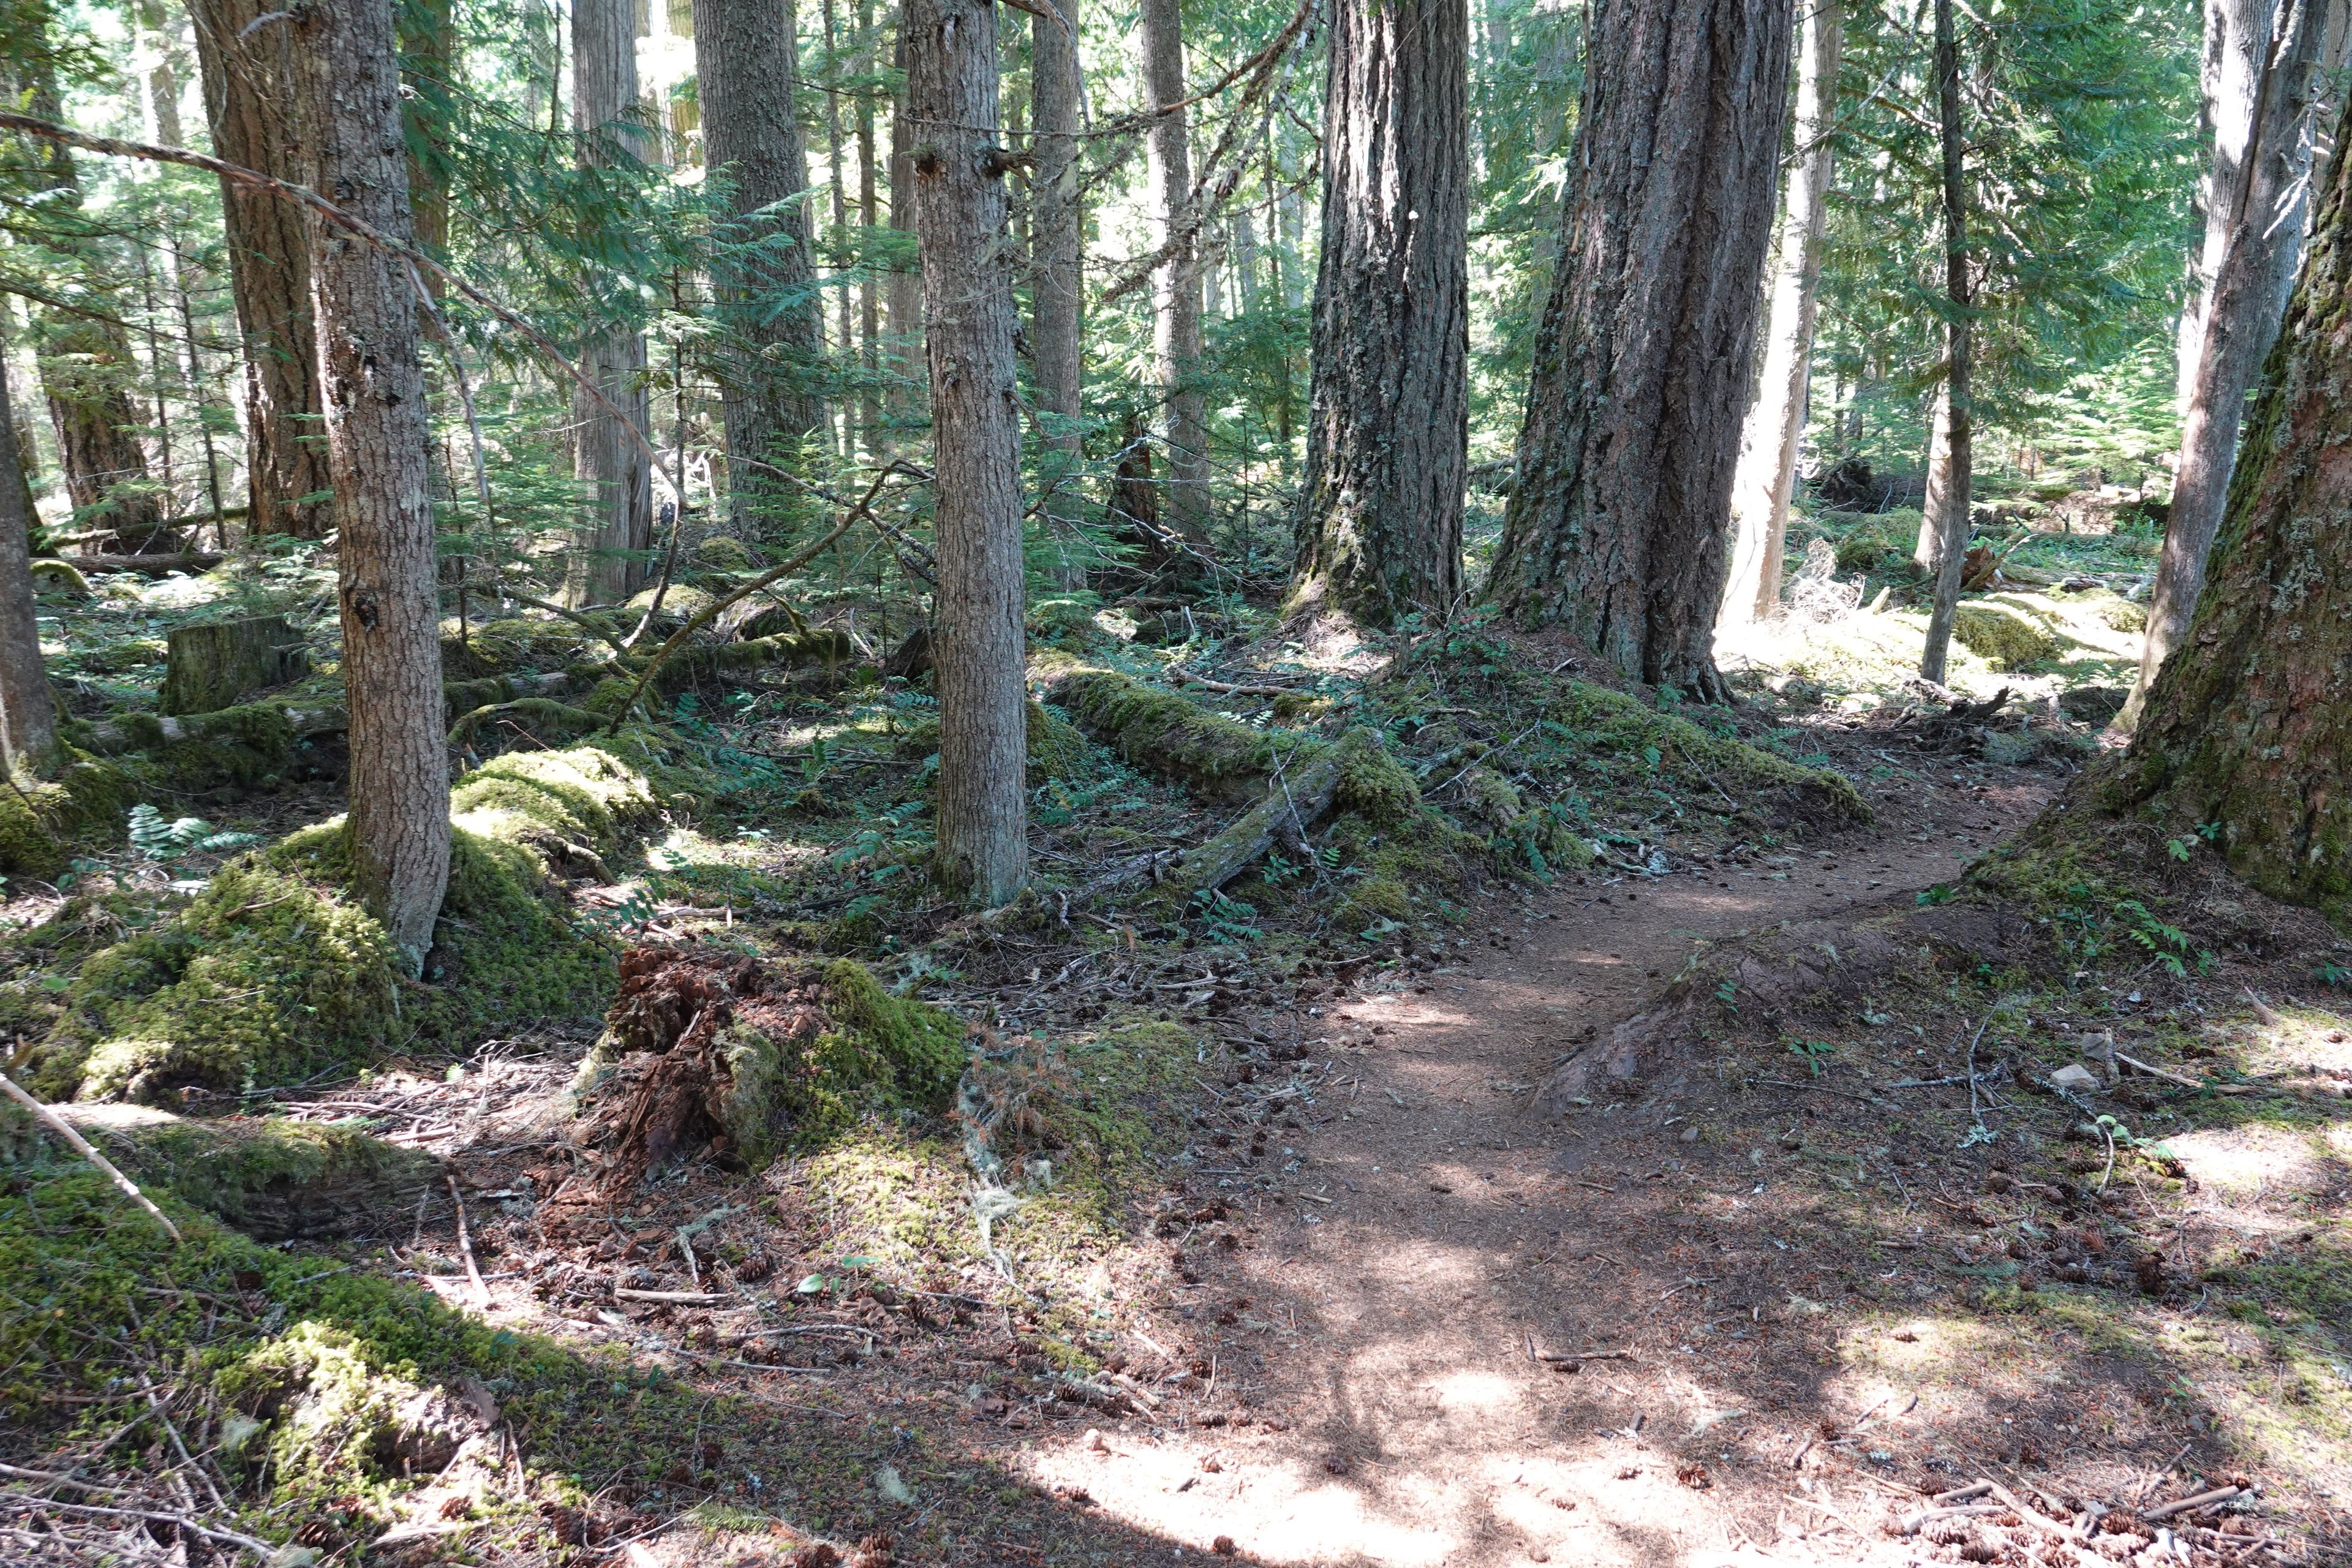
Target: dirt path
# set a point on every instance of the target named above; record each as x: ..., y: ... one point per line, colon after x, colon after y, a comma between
x: 1380, y: 1336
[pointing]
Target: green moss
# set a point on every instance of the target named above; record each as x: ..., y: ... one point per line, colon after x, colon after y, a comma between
x: 506, y: 646
x: 1373, y: 785
x: 1613, y: 733
x: 1379, y: 898
x: 1166, y: 735
x: 1056, y: 748
x: 2004, y: 632
x: 584, y: 795
x: 60, y: 577
x: 718, y: 558
x: 42, y: 821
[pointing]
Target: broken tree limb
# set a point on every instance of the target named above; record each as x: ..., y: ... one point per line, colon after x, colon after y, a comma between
x: 1291, y: 807
x: 80, y: 1145
x: 152, y: 565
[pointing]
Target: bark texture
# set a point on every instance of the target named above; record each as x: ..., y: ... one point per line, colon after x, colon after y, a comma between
x: 2252, y: 727
x: 249, y: 102
x: 1616, y: 527
x: 2237, y: 35
x: 1055, y: 259
x: 28, y: 726
x: 1176, y: 283
x: 378, y: 443
x: 977, y: 640
x: 743, y: 53
x: 1766, y: 475
x: 2262, y: 241
x: 1951, y: 456
x: 428, y: 56
x: 903, y: 353
x: 609, y: 562
x: 1380, y: 528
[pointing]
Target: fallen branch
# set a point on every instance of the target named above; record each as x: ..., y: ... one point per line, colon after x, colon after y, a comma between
x: 2169, y: 1077
x: 151, y: 566
x: 465, y: 1246
x: 2202, y: 1499
x: 1288, y: 810
x: 260, y: 1549
x: 81, y: 1146
x: 673, y: 1297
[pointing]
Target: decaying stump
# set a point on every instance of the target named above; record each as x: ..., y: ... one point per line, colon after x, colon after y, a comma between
x: 217, y: 666
x: 712, y: 1051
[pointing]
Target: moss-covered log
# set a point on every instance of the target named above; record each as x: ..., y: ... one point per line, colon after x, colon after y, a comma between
x: 219, y: 664
x: 274, y: 1179
x: 1163, y: 734
x: 716, y: 1050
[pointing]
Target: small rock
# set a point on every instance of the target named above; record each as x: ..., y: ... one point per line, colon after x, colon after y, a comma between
x: 1690, y: 1134
x: 2074, y: 1079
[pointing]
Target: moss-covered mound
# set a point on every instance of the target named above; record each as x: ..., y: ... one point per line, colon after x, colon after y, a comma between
x: 1166, y: 735
x: 2006, y: 632
x: 42, y: 819
x: 273, y: 971
x: 713, y: 1049
x: 1613, y: 734
x: 271, y: 1178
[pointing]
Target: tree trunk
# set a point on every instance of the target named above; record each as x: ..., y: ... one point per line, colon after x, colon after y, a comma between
x: 247, y: 67
x: 163, y: 77
x: 1176, y: 283
x: 1056, y: 321
x: 378, y: 439
x: 1616, y: 527
x: 905, y: 357
x: 869, y: 213
x: 1766, y: 476
x: 428, y: 51
x: 2237, y: 35
x: 28, y: 723
x: 1380, y: 527
x: 983, y: 849
x: 744, y: 53
x: 609, y: 558
x: 845, y: 330
x: 1952, y: 457
x: 87, y: 366
x: 2262, y: 243
x: 2254, y: 731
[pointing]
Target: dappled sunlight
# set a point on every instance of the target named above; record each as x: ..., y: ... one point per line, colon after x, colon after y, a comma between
x: 2254, y: 1162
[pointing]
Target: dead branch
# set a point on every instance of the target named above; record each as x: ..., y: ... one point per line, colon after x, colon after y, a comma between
x: 81, y: 1146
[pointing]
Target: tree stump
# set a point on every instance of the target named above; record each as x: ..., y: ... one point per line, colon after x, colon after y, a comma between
x: 209, y: 668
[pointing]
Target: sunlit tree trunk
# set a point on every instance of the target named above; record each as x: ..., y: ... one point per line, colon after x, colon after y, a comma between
x: 1951, y: 456
x: 744, y: 53
x: 845, y: 332
x: 2254, y: 731
x: 2237, y: 35
x: 608, y: 560
x: 1056, y: 228
x: 427, y: 48
x: 247, y: 63
x: 1766, y: 476
x: 1380, y: 528
x: 869, y: 215
x: 162, y: 75
x: 2261, y: 242
x: 28, y: 725
x: 1617, y: 523
x: 951, y: 67
x: 378, y: 439
x: 1176, y: 283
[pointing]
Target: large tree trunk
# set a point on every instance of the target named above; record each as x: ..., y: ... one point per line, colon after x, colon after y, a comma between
x: 28, y: 726
x: 1176, y: 283
x: 869, y: 215
x: 2251, y: 725
x: 609, y: 560
x: 1766, y: 476
x: 1951, y: 456
x: 1057, y: 257
x: 1380, y: 526
x: 744, y: 53
x: 983, y: 846
x: 378, y: 441
x: 903, y: 357
x: 2237, y: 35
x: 1617, y: 523
x: 163, y: 76
x: 246, y: 63
x: 2262, y: 241
x: 85, y: 362
x: 427, y: 48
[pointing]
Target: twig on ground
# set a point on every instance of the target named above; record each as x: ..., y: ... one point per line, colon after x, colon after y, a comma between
x: 260, y: 1549
x: 81, y: 1146
x: 465, y: 1246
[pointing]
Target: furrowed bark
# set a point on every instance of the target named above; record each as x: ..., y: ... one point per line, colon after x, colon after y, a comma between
x: 744, y: 54
x: 28, y: 723
x: 1056, y: 283
x: 2262, y: 243
x: 372, y: 372
x: 2254, y: 731
x: 1616, y: 527
x: 608, y: 561
x: 1176, y: 283
x: 1380, y: 528
x: 1765, y: 477
x: 983, y: 852
x: 248, y: 69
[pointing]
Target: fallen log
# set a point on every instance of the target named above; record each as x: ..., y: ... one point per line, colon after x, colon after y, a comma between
x: 150, y: 565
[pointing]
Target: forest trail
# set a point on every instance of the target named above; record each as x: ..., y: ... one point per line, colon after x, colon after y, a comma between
x: 1389, y: 1407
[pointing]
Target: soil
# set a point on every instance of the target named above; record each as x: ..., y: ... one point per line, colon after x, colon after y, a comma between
x: 1404, y: 1328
